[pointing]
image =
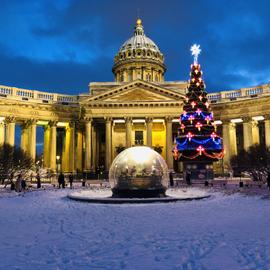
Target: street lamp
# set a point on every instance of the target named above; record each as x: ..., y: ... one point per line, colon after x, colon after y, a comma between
x: 58, y: 163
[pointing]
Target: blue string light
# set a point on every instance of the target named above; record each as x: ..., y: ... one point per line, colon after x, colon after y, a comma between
x: 192, y: 143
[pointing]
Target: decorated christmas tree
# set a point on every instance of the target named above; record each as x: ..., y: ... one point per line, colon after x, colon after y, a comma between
x: 197, y: 139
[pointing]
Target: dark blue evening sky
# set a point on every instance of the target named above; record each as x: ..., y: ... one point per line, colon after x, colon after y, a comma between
x: 62, y: 45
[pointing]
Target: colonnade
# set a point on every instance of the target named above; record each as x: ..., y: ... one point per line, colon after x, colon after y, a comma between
x: 251, y: 134
x: 80, y: 144
x: 28, y: 134
x: 81, y: 141
x: 143, y: 73
x: 149, y: 132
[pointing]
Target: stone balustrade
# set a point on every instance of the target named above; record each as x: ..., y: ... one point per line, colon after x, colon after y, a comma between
x: 46, y: 97
x: 35, y: 96
x: 230, y: 95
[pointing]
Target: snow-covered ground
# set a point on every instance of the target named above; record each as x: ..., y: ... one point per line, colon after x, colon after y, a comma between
x: 45, y: 230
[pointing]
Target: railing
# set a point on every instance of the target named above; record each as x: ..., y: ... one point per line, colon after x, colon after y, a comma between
x: 239, y: 93
x: 6, y: 90
x: 214, y: 96
x: 19, y: 93
x: 254, y: 91
x: 34, y: 95
x: 64, y: 98
x: 45, y: 96
x: 233, y: 94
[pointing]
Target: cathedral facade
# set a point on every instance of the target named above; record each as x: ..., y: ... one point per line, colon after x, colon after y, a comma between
x: 85, y: 132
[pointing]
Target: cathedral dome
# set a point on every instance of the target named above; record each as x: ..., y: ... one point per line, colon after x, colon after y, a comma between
x: 139, y: 41
x: 139, y: 58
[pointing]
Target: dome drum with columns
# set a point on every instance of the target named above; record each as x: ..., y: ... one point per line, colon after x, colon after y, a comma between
x: 84, y: 133
x: 139, y: 58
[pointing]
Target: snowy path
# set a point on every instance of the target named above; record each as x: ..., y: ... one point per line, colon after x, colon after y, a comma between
x: 44, y: 230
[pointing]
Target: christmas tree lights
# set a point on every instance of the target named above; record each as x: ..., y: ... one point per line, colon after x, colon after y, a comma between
x: 197, y: 138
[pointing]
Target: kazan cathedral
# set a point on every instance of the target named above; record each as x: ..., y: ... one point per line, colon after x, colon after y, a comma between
x: 84, y: 133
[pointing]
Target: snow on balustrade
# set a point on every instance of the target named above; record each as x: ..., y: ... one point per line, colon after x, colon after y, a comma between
x: 25, y: 93
x: 239, y: 93
x: 19, y: 93
x: 4, y: 90
x: 233, y: 94
x: 40, y: 96
x: 215, y: 96
x: 254, y: 91
x: 45, y: 96
x: 66, y: 98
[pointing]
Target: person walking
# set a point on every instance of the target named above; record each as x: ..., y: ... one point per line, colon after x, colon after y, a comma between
x: 70, y: 177
x: 268, y: 181
x: 23, y: 184
x: 18, y: 184
x: 38, y: 180
x: 61, y: 180
x: 188, y: 179
x: 171, y: 179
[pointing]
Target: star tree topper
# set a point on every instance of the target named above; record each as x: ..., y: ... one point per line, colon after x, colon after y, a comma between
x: 195, y: 50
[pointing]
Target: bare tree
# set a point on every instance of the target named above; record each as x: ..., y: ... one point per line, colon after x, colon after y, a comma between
x: 13, y: 160
x: 255, y: 161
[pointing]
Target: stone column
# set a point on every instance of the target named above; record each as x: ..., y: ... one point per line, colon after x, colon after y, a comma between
x: 32, y: 139
x: 255, y: 132
x: 169, y: 147
x: 108, y: 142
x: 247, y: 132
x: 97, y: 143
x: 10, y: 130
x: 149, y: 127
x: 25, y: 136
x: 2, y: 133
x: 88, y: 144
x: 226, y: 141
x: 52, y: 147
x: 79, y: 150
x: 72, y: 147
x: 128, y: 132
x: 232, y: 136
x: 46, y: 146
x: 134, y: 75
x: 267, y: 130
x: 65, y: 149
x: 94, y: 147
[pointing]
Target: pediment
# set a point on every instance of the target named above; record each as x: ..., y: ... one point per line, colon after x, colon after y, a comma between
x: 137, y: 91
x: 138, y: 94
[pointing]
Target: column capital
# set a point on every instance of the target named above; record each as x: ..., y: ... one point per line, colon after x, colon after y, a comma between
x: 254, y: 123
x: 267, y: 117
x: 31, y: 121
x: 71, y: 124
x: 108, y: 119
x: 149, y: 120
x: 24, y: 124
x: 247, y: 119
x: 87, y: 119
x: 128, y: 119
x: 52, y: 123
x: 9, y: 119
x: 169, y: 119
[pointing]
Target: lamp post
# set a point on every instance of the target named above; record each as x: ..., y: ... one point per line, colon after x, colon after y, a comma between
x: 58, y: 163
